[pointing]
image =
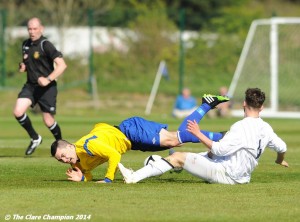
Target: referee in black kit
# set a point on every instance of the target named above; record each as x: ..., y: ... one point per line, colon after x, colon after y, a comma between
x: 43, y: 65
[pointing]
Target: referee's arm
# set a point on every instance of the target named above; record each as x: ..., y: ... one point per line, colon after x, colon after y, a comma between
x: 59, y: 69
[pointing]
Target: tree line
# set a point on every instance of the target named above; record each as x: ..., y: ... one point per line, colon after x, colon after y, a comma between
x: 216, y: 15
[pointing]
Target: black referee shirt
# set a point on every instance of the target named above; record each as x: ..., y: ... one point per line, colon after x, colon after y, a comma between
x: 38, y: 57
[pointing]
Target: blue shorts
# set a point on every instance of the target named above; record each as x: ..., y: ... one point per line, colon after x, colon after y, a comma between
x: 143, y: 134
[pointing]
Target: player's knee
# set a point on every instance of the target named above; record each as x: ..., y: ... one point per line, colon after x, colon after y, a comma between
x: 173, y: 141
x: 17, y: 113
x: 168, y: 139
x: 177, y: 159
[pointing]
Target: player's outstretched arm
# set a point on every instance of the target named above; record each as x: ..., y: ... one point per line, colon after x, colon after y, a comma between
x: 193, y: 128
x: 280, y: 160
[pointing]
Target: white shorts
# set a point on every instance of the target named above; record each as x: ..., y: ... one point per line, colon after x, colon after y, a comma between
x: 212, y: 171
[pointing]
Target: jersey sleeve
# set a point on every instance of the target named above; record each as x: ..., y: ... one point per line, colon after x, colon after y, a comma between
x: 24, y: 49
x: 276, y: 143
x: 108, y: 153
x: 87, y: 176
x: 51, y: 51
x: 230, y: 143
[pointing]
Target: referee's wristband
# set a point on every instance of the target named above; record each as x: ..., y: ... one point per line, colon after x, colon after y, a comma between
x: 50, y: 80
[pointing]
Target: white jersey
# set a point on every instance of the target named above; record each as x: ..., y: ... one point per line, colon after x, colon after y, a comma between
x: 242, y: 146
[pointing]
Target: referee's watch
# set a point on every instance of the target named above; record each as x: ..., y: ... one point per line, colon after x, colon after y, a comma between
x: 50, y: 80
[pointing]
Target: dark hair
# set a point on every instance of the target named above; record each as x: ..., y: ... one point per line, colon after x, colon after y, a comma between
x: 54, y: 147
x: 58, y: 144
x: 254, y: 97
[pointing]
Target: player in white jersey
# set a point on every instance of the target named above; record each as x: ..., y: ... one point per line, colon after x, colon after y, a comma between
x: 228, y: 161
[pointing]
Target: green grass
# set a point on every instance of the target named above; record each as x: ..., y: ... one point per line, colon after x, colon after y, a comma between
x: 37, y: 185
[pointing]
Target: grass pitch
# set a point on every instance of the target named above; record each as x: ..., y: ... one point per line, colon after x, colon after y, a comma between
x: 35, y: 188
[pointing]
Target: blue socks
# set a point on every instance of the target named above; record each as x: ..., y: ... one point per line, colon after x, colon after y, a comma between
x: 196, y: 115
x: 184, y: 136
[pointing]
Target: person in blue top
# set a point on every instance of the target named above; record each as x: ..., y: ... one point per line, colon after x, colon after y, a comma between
x: 185, y: 104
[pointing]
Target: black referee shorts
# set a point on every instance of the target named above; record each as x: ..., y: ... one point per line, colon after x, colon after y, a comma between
x: 44, y: 96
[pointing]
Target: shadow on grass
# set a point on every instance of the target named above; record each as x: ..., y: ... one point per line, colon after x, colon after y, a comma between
x: 57, y: 181
x: 13, y: 156
x: 153, y: 180
x: 173, y: 180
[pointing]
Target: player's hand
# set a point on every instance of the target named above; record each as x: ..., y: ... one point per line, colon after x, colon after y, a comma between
x: 43, y: 81
x: 283, y: 163
x: 74, y: 174
x: 106, y: 180
x: 193, y: 127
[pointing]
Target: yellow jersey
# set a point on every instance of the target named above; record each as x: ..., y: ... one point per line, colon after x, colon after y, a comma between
x: 105, y: 143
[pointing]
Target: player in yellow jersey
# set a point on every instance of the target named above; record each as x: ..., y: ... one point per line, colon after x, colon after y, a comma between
x: 106, y: 143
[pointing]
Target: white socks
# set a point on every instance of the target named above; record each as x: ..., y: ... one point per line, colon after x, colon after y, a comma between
x: 155, y: 168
